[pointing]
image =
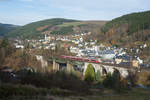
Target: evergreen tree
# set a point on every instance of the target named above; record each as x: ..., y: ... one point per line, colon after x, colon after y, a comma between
x: 116, y: 80
x: 113, y: 80
x: 90, y: 74
x: 108, y: 81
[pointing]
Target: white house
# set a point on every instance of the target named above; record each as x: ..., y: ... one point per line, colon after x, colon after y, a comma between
x: 19, y: 46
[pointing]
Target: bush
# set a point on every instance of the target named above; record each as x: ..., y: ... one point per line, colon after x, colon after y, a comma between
x: 90, y: 74
x: 55, y: 80
x: 133, y: 78
x: 144, y: 78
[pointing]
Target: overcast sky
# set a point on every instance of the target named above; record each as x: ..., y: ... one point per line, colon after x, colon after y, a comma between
x: 21, y: 12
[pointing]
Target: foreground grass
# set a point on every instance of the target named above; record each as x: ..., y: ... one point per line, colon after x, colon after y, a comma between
x: 25, y: 92
x: 135, y: 94
x: 11, y: 90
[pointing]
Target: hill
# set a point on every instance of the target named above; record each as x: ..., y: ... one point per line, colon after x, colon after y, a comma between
x: 5, y: 28
x: 57, y: 26
x: 128, y: 30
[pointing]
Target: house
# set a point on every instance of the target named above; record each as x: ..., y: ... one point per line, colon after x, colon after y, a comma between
x: 80, y: 45
x: 118, y: 61
x: 66, y: 46
x: 135, y: 63
x: 7, y: 74
x: 19, y: 46
x: 122, y: 59
x: 6, y: 69
x: 107, y: 54
x: 74, y: 49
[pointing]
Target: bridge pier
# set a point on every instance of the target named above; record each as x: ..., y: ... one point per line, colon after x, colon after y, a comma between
x: 69, y: 67
x: 55, y: 66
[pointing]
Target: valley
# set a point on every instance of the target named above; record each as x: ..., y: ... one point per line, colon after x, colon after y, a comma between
x: 70, y: 59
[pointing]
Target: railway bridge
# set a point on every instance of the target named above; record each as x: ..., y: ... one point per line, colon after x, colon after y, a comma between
x: 81, y: 65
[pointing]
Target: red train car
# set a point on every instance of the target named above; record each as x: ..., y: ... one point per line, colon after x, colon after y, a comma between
x: 80, y: 59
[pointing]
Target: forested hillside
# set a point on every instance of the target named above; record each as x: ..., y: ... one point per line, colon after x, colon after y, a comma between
x: 5, y: 28
x: 58, y: 26
x: 131, y: 29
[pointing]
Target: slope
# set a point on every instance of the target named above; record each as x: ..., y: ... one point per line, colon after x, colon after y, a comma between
x: 5, y: 28
x: 128, y: 30
x: 56, y: 26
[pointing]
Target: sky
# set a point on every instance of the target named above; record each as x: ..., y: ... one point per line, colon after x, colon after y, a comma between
x: 21, y: 12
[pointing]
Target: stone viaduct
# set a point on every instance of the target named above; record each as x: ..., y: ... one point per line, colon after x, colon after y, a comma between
x: 103, y: 68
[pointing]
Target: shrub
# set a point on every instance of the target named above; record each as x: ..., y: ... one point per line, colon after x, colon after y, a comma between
x: 132, y: 78
x: 144, y: 78
x: 60, y: 80
x: 89, y: 74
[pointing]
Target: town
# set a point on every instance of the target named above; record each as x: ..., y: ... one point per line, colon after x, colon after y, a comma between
x: 76, y: 45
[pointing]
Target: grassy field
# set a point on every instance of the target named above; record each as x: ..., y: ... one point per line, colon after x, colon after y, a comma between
x: 106, y: 94
x: 66, y: 24
x: 70, y: 24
